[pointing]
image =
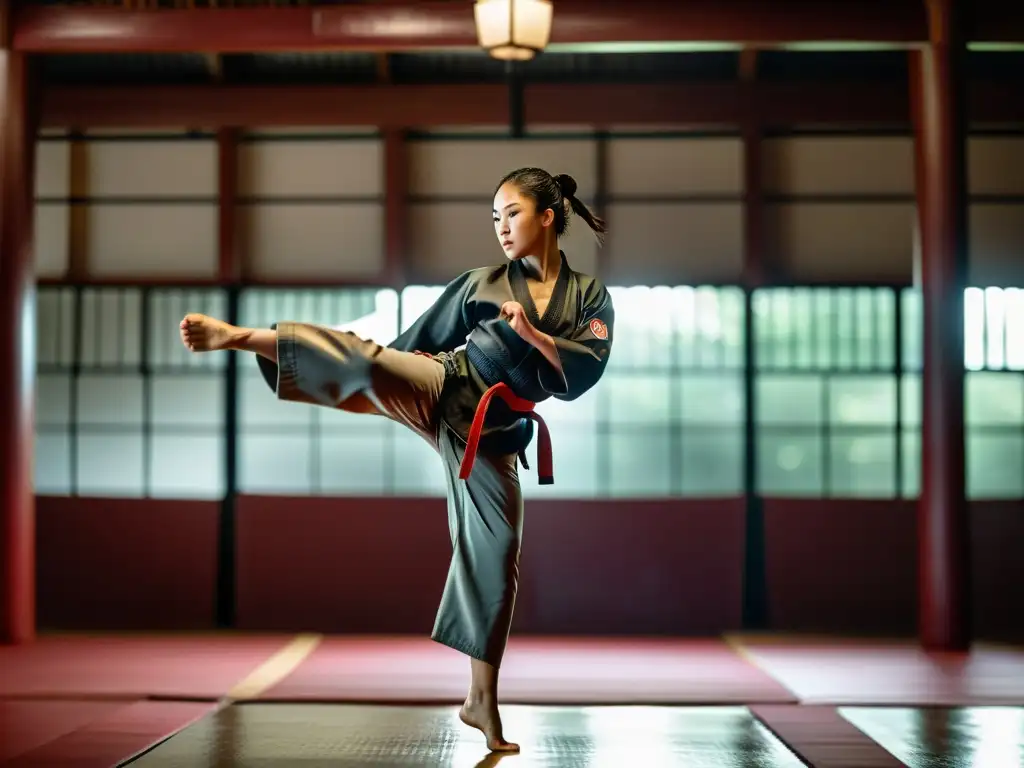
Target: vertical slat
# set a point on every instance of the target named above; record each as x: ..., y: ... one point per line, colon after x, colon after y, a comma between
x: 396, y: 208
x: 232, y: 271
x: 78, y: 213
x: 755, y: 595
x: 229, y: 254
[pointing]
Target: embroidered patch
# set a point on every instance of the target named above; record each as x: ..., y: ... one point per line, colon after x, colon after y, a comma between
x: 599, y: 329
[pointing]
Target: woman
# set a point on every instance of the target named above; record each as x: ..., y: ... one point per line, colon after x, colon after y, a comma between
x: 536, y: 329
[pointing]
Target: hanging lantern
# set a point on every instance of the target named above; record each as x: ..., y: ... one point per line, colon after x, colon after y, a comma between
x: 513, y: 30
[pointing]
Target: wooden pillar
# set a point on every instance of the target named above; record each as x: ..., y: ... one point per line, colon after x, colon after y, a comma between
x: 755, y: 272
x: 755, y: 574
x: 938, y: 104
x: 231, y: 272
x: 17, y: 342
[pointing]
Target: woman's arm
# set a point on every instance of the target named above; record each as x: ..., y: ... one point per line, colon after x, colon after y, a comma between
x: 576, y: 363
x: 515, y: 314
x: 544, y: 344
x: 446, y: 324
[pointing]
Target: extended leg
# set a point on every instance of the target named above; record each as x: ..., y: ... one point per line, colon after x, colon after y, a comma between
x: 485, y: 519
x: 324, y: 366
x: 201, y: 333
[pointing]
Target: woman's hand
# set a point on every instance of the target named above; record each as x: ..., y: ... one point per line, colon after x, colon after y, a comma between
x: 514, y: 313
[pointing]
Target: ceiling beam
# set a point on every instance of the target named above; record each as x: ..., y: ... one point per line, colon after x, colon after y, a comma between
x: 426, y: 24
x: 777, y: 105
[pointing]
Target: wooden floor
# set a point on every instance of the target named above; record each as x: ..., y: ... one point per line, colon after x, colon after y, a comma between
x: 246, y: 700
x: 588, y: 737
x: 393, y: 737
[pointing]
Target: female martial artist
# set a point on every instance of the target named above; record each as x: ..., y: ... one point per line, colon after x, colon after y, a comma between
x: 465, y: 376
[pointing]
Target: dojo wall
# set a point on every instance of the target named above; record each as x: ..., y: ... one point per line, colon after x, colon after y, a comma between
x: 143, y: 206
x: 644, y: 531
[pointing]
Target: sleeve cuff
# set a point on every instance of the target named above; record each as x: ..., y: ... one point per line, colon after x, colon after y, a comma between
x: 553, y: 381
x: 282, y: 376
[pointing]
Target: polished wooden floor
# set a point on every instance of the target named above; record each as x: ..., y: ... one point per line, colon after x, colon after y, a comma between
x: 313, y: 735
x: 961, y: 737
x: 305, y: 701
x: 346, y: 736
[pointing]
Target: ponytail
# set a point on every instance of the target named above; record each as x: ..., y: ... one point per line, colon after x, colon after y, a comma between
x: 567, y: 187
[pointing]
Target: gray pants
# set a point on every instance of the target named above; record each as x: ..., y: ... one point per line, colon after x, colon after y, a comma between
x: 337, y: 369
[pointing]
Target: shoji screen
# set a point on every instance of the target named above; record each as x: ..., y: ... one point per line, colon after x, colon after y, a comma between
x: 151, y: 205
x: 996, y: 226
x: 840, y: 208
x: 675, y: 209
x: 452, y: 182
x: 312, y: 205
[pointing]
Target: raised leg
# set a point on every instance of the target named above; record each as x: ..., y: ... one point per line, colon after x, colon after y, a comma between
x: 324, y: 366
x: 485, y: 519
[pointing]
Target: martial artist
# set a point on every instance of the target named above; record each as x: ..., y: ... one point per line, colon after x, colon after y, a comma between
x: 466, y: 376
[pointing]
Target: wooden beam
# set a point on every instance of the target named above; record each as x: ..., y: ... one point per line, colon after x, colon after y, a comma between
x: 217, y: 106
x: 424, y: 24
x: 421, y: 106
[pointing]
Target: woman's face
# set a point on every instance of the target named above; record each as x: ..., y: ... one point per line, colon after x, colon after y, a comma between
x: 517, y: 223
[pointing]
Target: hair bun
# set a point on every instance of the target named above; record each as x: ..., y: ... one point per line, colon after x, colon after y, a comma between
x: 567, y: 184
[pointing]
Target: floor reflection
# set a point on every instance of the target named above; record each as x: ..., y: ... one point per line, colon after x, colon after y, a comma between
x: 968, y: 737
x: 344, y: 736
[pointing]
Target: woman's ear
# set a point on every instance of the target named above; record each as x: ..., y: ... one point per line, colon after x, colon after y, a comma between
x: 547, y: 218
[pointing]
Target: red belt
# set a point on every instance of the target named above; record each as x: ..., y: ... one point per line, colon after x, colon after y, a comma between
x: 545, y: 468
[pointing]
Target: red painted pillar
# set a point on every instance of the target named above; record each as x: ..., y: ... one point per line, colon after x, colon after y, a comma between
x: 17, y: 345
x: 938, y: 103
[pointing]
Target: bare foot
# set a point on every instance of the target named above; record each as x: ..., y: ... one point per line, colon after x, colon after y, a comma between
x: 201, y: 333
x: 483, y: 715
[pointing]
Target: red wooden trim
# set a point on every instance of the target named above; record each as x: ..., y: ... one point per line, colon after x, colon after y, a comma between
x: 17, y: 352
x: 425, y: 24
x: 700, y: 105
x: 251, y: 106
x: 939, y: 99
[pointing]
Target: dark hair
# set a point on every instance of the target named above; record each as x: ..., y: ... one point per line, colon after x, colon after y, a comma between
x: 557, y: 193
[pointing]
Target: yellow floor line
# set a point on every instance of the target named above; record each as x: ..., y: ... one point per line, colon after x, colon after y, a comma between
x: 275, y: 669
x: 735, y: 642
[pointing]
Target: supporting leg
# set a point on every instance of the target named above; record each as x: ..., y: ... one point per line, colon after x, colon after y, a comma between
x: 485, y: 519
x: 480, y: 709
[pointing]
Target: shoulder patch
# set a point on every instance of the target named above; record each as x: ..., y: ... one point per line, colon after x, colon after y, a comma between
x: 598, y: 328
